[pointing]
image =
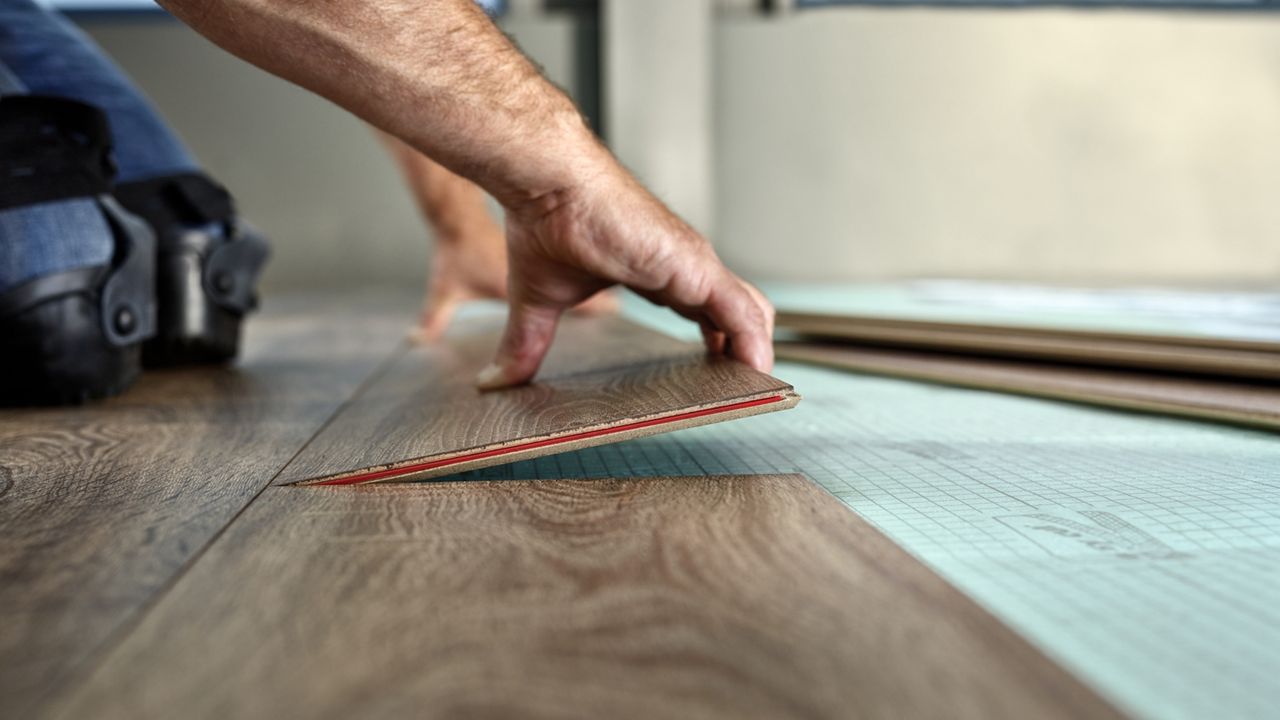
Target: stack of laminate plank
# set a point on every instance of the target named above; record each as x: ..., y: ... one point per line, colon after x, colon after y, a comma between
x: 1206, y: 376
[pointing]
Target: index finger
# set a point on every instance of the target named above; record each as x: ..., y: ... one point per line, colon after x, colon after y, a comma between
x: 744, y: 319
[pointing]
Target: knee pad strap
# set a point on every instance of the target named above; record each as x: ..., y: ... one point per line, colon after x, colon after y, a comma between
x: 125, y: 289
x: 175, y: 204
x: 52, y: 149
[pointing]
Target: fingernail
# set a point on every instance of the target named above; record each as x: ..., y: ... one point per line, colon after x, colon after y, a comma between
x: 491, y: 378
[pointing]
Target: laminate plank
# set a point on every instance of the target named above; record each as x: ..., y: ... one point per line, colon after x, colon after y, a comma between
x: 1258, y: 360
x: 733, y: 597
x: 795, y: 318
x: 605, y: 380
x: 1220, y: 400
x: 100, y: 506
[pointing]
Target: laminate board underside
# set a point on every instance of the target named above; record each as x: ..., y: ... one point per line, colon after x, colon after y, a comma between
x: 735, y: 597
x: 1209, y: 356
x: 1255, y: 404
x: 102, y: 505
x: 605, y: 380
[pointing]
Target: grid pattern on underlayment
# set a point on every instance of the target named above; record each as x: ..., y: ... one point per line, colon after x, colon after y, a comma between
x: 1143, y: 553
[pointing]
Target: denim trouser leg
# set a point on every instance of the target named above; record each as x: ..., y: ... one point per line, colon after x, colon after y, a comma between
x: 9, y: 83
x: 51, y: 56
x: 49, y: 237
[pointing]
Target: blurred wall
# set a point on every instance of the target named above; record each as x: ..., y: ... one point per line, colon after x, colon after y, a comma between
x: 1047, y: 144
x: 659, y: 106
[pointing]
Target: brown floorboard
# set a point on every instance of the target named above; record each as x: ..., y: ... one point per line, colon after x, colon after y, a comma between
x: 101, y: 506
x: 733, y: 597
x: 605, y: 379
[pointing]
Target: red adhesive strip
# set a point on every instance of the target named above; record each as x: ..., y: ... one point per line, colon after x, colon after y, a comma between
x: 586, y: 435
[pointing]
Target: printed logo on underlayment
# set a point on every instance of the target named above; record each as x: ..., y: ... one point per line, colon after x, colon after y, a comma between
x: 1090, y: 532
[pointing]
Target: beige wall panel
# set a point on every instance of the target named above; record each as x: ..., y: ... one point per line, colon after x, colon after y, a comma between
x: 1047, y: 144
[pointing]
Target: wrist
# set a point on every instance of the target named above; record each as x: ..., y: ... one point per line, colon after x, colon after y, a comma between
x: 564, y: 164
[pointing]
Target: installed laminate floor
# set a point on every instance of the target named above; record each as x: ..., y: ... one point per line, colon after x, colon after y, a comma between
x: 102, y: 506
x: 148, y: 568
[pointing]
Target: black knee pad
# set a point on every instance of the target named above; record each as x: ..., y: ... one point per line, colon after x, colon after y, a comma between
x: 208, y: 263
x: 73, y: 335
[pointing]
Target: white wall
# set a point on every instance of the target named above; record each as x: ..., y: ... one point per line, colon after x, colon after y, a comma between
x: 658, y: 99
x: 1048, y: 144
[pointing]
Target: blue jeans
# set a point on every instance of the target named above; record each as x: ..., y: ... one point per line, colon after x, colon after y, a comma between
x: 41, y: 52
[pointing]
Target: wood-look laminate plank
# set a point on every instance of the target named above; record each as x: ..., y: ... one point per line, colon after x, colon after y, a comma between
x: 1236, y: 358
x: 101, y: 505
x: 733, y: 597
x: 796, y: 318
x: 1220, y: 400
x: 605, y: 380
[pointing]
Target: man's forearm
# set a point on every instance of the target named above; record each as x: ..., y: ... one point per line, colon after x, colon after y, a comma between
x: 435, y: 73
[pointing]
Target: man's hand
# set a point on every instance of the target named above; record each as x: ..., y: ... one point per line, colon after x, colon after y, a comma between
x: 563, y: 250
x: 469, y: 261
x: 606, y: 231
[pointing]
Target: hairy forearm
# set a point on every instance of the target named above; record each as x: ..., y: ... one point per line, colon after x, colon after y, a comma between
x: 435, y: 73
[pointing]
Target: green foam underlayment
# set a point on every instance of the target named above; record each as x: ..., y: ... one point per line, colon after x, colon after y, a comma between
x: 1142, y: 553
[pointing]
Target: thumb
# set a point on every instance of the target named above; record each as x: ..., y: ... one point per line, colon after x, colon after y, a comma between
x: 530, y: 329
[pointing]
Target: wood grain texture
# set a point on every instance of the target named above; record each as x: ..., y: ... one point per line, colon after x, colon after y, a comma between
x: 733, y: 597
x: 602, y: 374
x: 1235, y: 358
x: 1219, y: 400
x: 101, y: 506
